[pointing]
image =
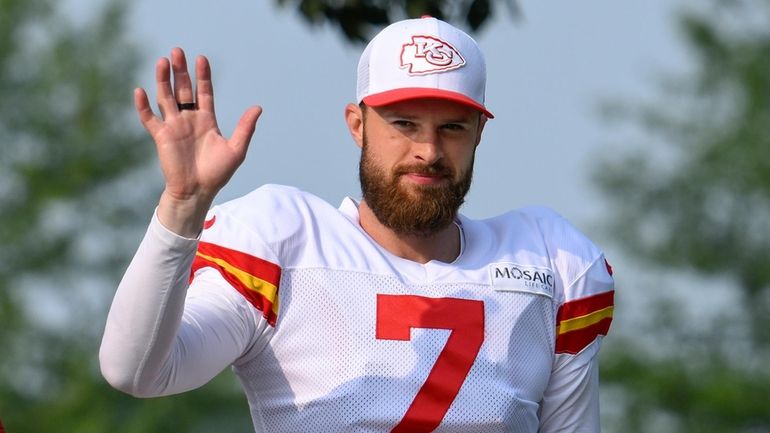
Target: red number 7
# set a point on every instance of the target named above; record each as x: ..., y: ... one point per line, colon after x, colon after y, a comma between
x: 398, y: 314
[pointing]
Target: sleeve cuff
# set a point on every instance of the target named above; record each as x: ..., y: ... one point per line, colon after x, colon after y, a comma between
x: 168, y: 237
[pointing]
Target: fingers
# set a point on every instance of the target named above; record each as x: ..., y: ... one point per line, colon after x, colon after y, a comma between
x: 203, y: 86
x: 146, y: 116
x: 165, y: 96
x: 169, y: 95
x: 245, y: 129
x: 182, y: 82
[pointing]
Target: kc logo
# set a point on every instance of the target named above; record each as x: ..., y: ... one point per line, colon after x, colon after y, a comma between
x: 427, y: 55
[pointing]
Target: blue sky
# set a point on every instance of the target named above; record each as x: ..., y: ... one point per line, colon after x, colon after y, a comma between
x: 547, y: 73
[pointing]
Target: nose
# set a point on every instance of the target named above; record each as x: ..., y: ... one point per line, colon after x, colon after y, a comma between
x: 427, y: 147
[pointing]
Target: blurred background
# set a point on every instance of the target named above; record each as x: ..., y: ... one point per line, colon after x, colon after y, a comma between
x: 647, y: 124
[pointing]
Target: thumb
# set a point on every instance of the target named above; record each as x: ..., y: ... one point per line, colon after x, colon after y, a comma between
x: 245, y: 129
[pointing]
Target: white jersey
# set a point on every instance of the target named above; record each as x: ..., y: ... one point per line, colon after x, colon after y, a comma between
x: 329, y: 332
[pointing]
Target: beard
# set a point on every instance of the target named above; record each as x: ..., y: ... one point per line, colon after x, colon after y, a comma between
x: 413, y: 210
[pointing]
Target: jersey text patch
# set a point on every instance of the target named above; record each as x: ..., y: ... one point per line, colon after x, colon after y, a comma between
x: 513, y: 277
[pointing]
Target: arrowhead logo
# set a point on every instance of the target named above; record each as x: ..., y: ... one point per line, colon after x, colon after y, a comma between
x: 206, y: 225
x: 428, y: 55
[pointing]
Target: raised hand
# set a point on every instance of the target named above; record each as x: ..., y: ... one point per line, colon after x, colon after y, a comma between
x: 196, y: 160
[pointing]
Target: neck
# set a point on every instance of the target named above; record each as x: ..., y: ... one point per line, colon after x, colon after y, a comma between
x: 444, y: 245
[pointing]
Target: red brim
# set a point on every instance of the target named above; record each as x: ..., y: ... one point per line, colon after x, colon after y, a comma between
x: 405, y: 94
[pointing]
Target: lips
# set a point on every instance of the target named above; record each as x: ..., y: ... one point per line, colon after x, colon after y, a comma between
x: 424, y: 179
x: 424, y: 175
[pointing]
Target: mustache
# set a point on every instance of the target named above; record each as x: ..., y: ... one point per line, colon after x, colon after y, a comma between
x: 436, y: 169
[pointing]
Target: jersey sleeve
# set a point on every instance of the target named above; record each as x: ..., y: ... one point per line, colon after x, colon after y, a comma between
x: 571, y: 399
x: 230, y: 250
x: 165, y: 335
x: 584, y: 305
x: 188, y: 308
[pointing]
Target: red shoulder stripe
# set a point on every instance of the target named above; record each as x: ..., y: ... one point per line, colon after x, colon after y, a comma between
x: 255, y: 278
x: 574, y: 341
x: 587, y: 305
x: 581, y: 321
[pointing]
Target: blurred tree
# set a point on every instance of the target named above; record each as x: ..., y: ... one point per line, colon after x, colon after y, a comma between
x: 697, y: 198
x: 74, y: 200
x: 358, y: 19
x: 73, y: 204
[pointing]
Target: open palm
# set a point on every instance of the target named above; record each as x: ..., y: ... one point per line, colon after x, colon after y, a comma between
x: 196, y: 160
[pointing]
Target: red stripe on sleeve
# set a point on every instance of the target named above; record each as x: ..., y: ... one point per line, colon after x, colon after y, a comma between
x: 584, y: 306
x: 574, y: 341
x: 256, y: 266
x: 260, y: 268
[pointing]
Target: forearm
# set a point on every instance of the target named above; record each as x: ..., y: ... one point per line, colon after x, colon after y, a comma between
x: 571, y: 401
x: 147, y: 310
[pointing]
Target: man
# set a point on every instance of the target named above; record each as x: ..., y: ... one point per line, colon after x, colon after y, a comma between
x: 389, y: 314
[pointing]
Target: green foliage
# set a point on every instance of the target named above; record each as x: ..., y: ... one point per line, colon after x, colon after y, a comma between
x: 706, y: 397
x: 73, y: 202
x: 71, y: 209
x: 358, y: 19
x: 697, y: 198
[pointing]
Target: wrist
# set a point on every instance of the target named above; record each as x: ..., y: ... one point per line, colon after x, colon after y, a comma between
x: 183, y: 216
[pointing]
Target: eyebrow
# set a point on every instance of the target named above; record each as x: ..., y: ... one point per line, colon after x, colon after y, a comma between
x: 461, y: 120
x: 395, y: 113
x: 405, y: 116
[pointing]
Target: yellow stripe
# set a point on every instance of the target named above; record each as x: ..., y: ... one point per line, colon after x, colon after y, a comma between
x: 584, y: 321
x: 251, y: 282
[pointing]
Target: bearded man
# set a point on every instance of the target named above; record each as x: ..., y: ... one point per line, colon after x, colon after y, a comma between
x: 391, y: 313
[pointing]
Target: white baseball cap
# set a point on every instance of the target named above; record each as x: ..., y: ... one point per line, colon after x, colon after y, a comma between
x: 422, y: 58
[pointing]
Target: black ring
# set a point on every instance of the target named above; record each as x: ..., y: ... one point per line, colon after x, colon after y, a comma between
x: 185, y: 106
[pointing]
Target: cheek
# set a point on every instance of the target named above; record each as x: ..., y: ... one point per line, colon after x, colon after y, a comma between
x: 463, y: 157
x: 382, y: 134
x: 385, y: 150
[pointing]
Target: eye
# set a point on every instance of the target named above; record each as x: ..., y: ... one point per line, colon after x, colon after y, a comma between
x: 453, y: 127
x: 401, y: 123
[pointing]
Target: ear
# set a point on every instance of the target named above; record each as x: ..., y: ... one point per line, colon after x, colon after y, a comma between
x: 482, y: 122
x: 355, y: 120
